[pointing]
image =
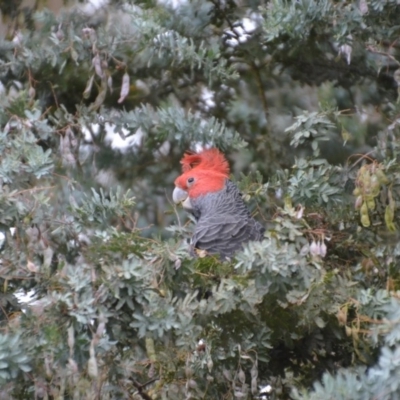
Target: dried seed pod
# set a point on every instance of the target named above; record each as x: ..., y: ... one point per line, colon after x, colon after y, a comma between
x: 370, y: 203
x: 241, y: 376
x: 383, y: 180
x: 365, y: 221
x: 389, y: 215
x: 375, y: 185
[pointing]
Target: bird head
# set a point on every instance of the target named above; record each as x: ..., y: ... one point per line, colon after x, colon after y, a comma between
x: 202, y: 173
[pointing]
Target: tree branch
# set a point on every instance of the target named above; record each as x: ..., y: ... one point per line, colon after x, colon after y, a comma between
x: 140, y: 388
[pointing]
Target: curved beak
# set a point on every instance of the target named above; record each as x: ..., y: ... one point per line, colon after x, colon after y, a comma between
x: 181, y: 196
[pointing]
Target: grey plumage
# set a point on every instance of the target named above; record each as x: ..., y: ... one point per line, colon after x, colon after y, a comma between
x: 224, y: 223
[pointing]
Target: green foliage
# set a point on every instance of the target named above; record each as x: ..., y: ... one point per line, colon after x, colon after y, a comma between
x: 99, y: 206
x: 13, y: 359
x: 175, y: 124
x: 96, y: 109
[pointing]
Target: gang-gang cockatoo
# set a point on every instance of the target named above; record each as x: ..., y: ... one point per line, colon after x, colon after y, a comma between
x: 223, y: 222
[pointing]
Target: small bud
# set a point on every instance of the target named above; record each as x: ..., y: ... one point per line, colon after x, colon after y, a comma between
x: 178, y: 263
x: 358, y: 202
x: 322, y: 249
x: 305, y: 250
x: 110, y: 83
x: 192, y: 384
x: 314, y: 248
x: 363, y: 6
x: 100, y: 329
x: 31, y: 92
x: 266, y: 389
x: 299, y: 212
x: 201, y: 345
x: 96, y: 62
x: 60, y: 34
x: 92, y: 367
x: 124, y: 88
x: 17, y: 39
x: 32, y: 267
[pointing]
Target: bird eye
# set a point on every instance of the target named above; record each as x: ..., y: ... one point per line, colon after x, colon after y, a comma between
x: 190, y: 180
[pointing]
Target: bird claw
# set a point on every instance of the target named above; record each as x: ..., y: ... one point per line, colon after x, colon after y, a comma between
x: 200, y: 253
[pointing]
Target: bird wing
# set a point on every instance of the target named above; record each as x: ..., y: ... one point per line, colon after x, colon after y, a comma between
x: 222, y: 234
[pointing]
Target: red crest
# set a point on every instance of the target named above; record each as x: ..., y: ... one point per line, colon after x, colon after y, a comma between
x: 208, y: 159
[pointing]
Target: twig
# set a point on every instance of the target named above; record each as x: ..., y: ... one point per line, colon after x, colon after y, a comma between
x: 140, y: 388
x: 54, y: 94
x: 32, y: 190
x: 361, y: 158
x: 227, y: 19
x: 382, y: 53
x: 264, y: 102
